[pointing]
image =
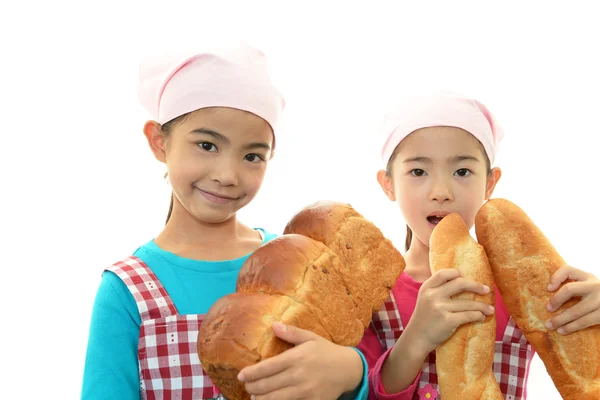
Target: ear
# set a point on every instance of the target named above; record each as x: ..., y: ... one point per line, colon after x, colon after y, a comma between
x: 492, y: 181
x: 156, y: 140
x: 386, y: 184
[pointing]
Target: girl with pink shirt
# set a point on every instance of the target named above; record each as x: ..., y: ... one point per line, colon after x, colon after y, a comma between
x: 439, y: 154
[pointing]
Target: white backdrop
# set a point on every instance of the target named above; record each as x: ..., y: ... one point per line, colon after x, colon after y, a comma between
x: 81, y: 189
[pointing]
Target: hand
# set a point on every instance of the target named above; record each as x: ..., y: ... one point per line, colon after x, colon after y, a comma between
x: 581, y: 315
x: 314, y: 369
x: 437, y: 315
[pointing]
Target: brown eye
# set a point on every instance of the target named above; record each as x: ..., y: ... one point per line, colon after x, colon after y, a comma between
x: 463, y: 172
x: 207, y: 146
x: 254, y: 158
x: 417, y: 172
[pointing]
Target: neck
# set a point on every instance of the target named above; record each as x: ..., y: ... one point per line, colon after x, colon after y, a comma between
x: 184, y: 231
x: 417, y: 261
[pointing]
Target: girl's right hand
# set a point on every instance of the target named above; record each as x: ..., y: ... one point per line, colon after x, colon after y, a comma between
x: 437, y: 315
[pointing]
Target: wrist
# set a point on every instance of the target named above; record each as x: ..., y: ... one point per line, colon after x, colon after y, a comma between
x: 404, y: 362
x: 352, y: 376
x: 418, y: 345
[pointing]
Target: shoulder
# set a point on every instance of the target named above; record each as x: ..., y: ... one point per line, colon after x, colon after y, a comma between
x: 267, y: 235
x: 114, y: 292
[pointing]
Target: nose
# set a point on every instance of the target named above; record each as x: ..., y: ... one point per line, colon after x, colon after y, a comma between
x: 225, y: 171
x: 441, y: 191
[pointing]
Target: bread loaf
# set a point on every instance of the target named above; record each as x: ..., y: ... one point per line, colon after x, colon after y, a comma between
x: 299, y: 281
x: 310, y: 273
x: 523, y: 261
x: 237, y: 332
x: 464, y: 362
x: 368, y: 257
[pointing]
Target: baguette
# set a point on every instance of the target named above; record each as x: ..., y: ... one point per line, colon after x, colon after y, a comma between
x: 523, y: 261
x: 464, y: 362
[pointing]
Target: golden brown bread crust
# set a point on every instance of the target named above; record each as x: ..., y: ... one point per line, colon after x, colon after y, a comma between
x: 464, y: 361
x: 237, y: 332
x: 327, y: 277
x: 310, y: 273
x: 371, y: 260
x: 523, y: 260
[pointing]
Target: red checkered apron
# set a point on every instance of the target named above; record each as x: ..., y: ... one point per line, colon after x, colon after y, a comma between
x: 167, y: 352
x: 511, y: 359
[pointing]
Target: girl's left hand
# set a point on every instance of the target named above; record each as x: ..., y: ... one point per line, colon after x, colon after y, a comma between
x: 314, y: 369
x: 583, y: 314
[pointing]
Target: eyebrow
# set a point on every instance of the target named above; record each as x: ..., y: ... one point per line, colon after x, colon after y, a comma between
x: 223, y: 138
x: 452, y: 160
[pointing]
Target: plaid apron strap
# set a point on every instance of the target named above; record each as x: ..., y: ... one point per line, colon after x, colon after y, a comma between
x: 151, y: 298
x: 513, y: 334
x: 387, y: 323
x: 512, y: 360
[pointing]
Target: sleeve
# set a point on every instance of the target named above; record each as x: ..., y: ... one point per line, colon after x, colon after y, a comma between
x: 111, y: 365
x: 376, y: 354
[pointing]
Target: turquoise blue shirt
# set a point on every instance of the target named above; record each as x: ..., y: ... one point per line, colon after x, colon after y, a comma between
x: 111, y: 364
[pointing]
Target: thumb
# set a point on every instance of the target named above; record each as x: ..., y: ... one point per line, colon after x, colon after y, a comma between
x: 292, y: 334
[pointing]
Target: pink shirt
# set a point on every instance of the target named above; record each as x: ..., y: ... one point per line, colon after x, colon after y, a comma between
x: 511, y: 360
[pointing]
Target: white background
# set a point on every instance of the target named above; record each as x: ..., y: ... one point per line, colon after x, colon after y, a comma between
x: 81, y: 189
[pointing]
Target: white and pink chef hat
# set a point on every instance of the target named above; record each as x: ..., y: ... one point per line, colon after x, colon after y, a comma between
x: 235, y: 76
x: 441, y: 109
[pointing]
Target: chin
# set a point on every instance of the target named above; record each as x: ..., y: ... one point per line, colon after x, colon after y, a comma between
x: 214, y: 218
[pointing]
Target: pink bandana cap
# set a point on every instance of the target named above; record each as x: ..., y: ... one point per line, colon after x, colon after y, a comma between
x: 234, y: 76
x: 441, y: 109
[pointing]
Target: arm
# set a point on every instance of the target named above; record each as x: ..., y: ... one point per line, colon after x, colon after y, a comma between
x: 360, y: 392
x: 378, y: 355
x: 435, y: 319
x: 111, y: 364
x: 313, y: 368
x: 399, y: 372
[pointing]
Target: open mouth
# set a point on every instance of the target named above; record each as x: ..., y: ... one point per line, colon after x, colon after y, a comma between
x: 434, y: 220
x: 436, y: 217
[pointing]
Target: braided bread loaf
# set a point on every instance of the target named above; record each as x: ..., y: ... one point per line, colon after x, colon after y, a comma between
x: 325, y: 274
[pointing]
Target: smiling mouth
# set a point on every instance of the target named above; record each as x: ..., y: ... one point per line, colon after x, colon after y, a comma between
x: 215, y: 198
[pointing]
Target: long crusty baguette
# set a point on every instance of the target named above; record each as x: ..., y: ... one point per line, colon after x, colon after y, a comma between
x: 464, y: 362
x: 523, y: 260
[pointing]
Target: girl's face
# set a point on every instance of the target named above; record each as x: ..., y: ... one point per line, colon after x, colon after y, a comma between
x: 216, y: 159
x: 437, y: 171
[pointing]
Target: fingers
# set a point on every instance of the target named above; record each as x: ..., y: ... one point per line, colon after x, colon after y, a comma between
x: 451, y: 283
x: 589, y: 304
x: 281, y: 362
x: 568, y: 291
x: 586, y: 321
x: 441, y: 277
x: 465, y: 317
x: 292, y: 334
x: 270, y: 384
x: 470, y: 305
x: 564, y: 273
x: 266, y: 368
x: 459, y: 285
